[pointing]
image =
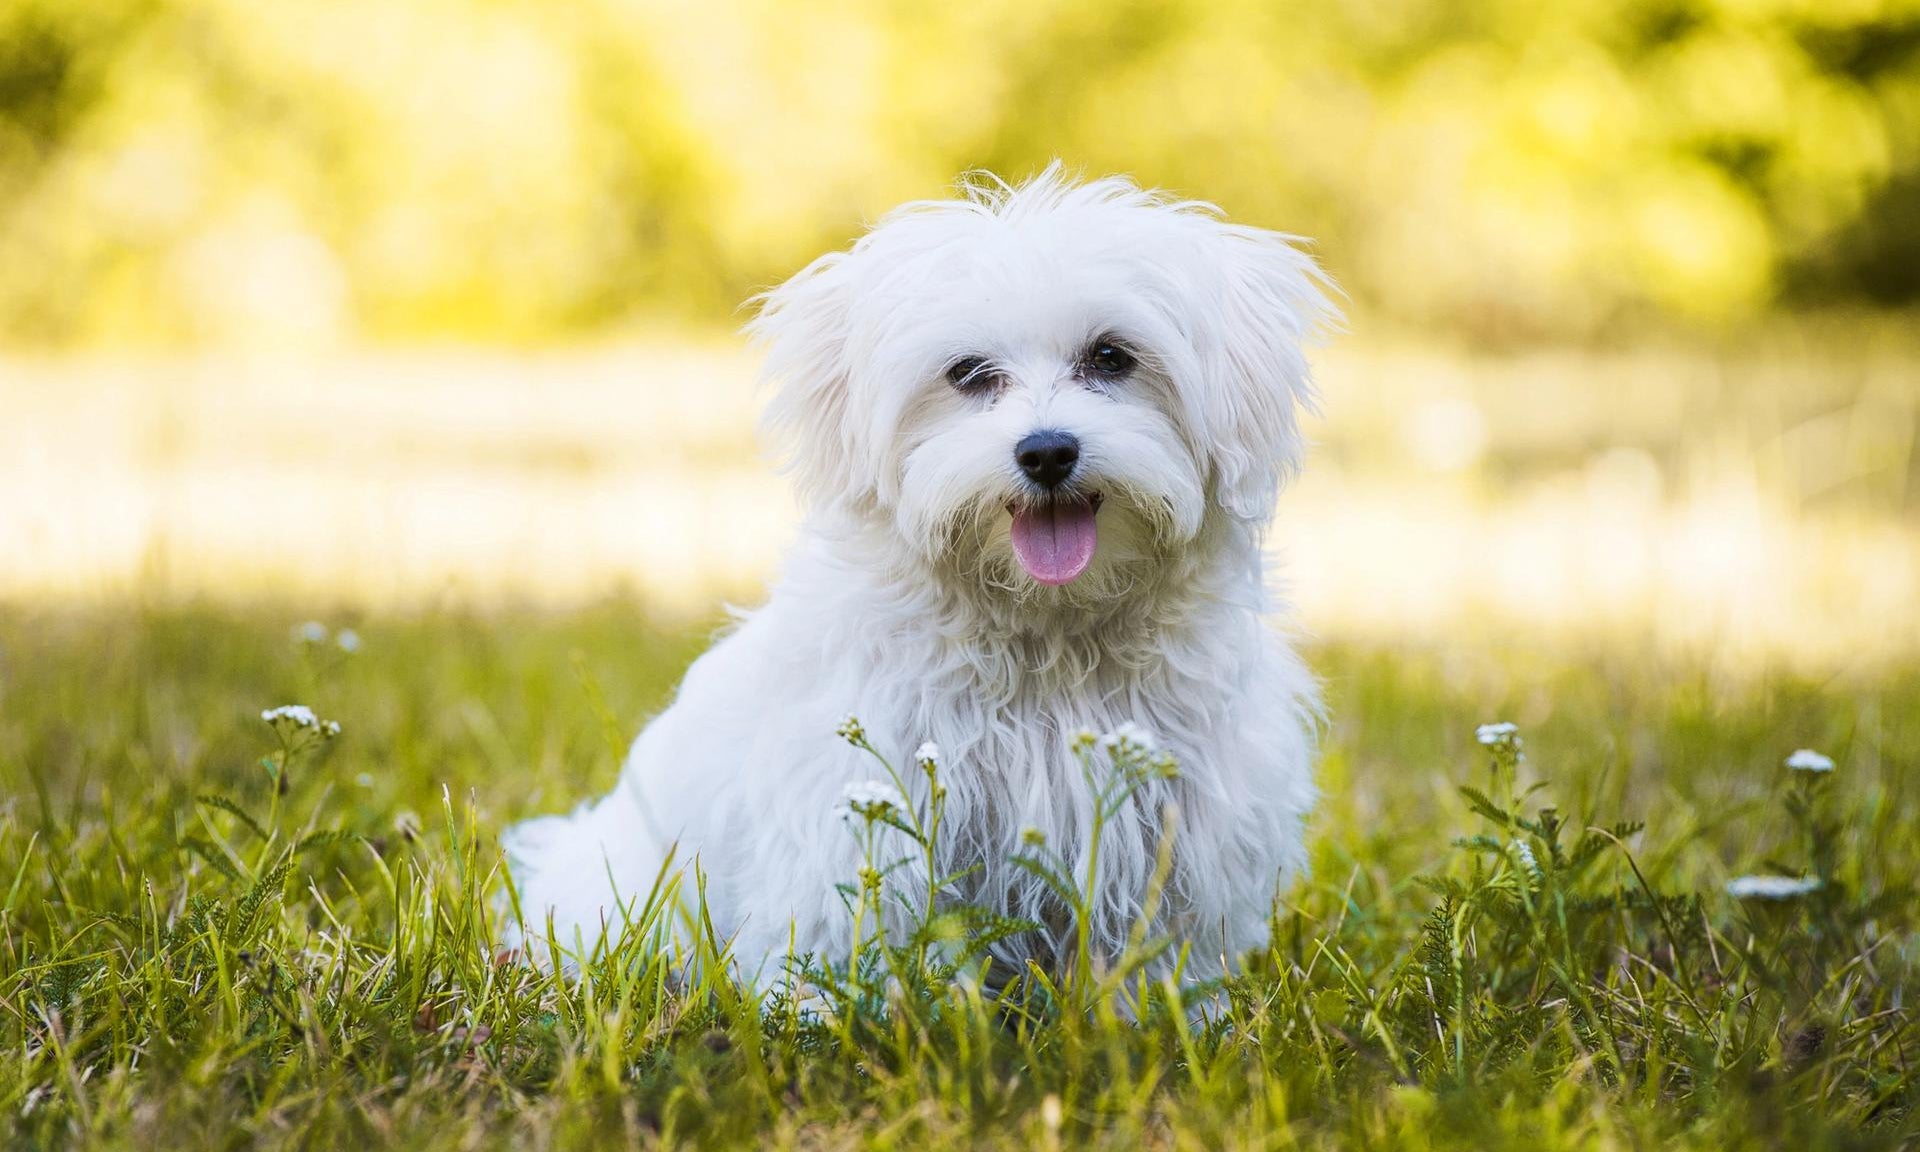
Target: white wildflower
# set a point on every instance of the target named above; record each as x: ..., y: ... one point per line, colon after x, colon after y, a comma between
x: 300, y: 718
x: 1505, y: 734
x: 865, y: 792
x: 1524, y: 851
x: 1082, y: 739
x: 870, y: 800
x: 850, y: 730
x: 1129, y: 737
x: 1807, y: 760
x: 297, y: 715
x: 927, y: 753
x: 1771, y: 887
x: 312, y: 632
x: 347, y: 640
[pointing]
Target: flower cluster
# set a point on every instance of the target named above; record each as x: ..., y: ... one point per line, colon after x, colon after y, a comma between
x: 1505, y: 734
x: 1772, y: 887
x: 871, y: 800
x: 290, y: 719
x: 1807, y: 760
x: 1524, y: 851
x: 851, y: 730
x: 1135, y: 751
x: 1129, y: 737
x: 927, y: 755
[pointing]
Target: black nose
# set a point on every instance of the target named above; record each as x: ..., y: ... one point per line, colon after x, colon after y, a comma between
x: 1047, y: 457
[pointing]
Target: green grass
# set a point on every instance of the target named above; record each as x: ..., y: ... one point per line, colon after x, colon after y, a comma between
x: 170, y: 978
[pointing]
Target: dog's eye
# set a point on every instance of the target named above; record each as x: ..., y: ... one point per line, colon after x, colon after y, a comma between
x: 1108, y: 358
x: 970, y: 373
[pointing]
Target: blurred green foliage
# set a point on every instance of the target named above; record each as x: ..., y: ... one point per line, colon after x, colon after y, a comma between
x: 183, y: 170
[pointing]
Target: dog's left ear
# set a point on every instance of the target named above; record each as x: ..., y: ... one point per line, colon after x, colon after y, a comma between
x: 1273, y: 300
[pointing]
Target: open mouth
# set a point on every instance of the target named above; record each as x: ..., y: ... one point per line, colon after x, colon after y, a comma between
x: 1054, y: 538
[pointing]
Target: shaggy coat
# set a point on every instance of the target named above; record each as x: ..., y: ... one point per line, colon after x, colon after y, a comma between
x: 1167, y: 344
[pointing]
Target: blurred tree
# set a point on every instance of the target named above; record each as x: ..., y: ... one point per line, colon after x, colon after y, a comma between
x: 182, y: 170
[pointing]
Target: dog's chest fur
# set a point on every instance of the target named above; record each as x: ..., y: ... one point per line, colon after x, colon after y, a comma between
x: 1001, y: 689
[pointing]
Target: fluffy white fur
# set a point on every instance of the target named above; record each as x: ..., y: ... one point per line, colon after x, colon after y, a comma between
x: 902, y: 602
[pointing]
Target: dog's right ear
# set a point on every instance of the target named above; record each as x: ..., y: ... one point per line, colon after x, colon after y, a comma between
x: 803, y: 328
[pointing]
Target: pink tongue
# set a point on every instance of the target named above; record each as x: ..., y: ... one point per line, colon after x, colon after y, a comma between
x: 1054, y: 542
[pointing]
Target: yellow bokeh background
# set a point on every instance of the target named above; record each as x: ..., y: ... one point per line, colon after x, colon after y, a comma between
x: 379, y: 301
x: 187, y: 170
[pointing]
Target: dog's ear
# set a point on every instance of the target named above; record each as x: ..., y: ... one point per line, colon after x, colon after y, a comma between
x: 1273, y: 300
x: 802, y: 327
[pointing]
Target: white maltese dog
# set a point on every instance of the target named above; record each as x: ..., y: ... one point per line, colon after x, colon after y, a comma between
x: 1038, y: 433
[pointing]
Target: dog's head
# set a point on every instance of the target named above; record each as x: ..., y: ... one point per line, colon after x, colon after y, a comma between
x: 1043, y: 388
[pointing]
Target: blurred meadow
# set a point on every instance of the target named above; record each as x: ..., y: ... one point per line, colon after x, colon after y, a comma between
x: 420, y: 318
x: 390, y: 303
